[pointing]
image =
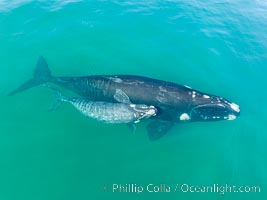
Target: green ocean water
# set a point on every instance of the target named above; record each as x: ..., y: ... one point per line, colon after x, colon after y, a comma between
x: 218, y: 47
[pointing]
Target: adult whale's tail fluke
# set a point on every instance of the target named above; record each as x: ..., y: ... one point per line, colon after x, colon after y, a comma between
x: 41, y: 75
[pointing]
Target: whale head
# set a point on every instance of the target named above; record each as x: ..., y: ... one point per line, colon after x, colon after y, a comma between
x: 213, y: 108
x: 143, y: 111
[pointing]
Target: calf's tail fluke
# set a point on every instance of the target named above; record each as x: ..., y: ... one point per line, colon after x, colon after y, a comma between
x: 41, y: 75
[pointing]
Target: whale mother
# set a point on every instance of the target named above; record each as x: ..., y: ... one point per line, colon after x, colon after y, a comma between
x: 174, y: 102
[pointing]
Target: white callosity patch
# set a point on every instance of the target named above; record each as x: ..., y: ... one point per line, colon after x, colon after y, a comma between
x: 184, y: 117
x: 216, y: 117
x: 221, y: 105
x: 152, y: 111
x: 206, y: 96
x: 193, y: 94
x: 235, y: 107
x: 231, y: 117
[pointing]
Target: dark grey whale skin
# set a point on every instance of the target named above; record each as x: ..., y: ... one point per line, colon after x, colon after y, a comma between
x: 174, y: 102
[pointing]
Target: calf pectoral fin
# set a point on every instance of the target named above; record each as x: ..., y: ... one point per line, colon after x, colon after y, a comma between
x: 157, y: 129
x: 131, y: 127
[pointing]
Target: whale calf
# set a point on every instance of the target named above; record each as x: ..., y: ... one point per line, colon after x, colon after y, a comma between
x: 113, y: 113
x: 174, y: 102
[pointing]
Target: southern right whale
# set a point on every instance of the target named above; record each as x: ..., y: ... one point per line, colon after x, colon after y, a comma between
x: 174, y: 103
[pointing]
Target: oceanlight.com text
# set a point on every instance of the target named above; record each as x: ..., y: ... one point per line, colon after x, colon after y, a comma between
x: 184, y: 188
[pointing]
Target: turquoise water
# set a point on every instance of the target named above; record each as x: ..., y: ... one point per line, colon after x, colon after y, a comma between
x: 218, y: 47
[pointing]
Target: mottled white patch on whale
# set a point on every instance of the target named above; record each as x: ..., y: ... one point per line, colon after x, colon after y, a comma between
x: 114, y: 79
x: 187, y: 87
x: 135, y: 82
x: 162, y: 89
x: 184, y: 117
x: 206, y: 96
x: 161, y: 97
x: 117, y: 80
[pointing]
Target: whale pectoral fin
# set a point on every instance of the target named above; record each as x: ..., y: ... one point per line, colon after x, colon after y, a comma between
x: 131, y: 127
x: 121, y: 97
x: 158, y: 129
